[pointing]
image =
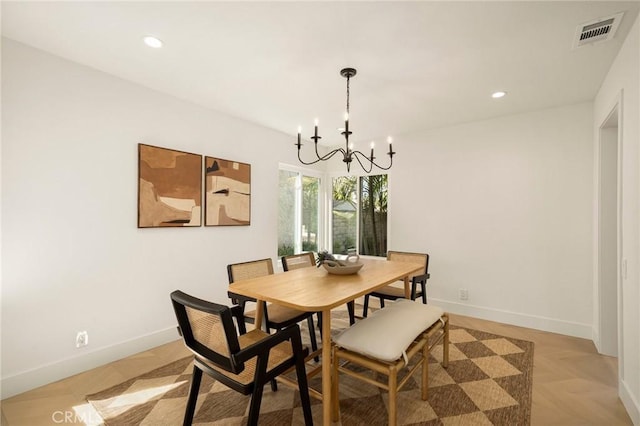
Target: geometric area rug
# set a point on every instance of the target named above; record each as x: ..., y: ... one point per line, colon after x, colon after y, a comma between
x: 488, y: 382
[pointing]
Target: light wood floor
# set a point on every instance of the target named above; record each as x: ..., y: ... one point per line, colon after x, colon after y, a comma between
x: 572, y: 384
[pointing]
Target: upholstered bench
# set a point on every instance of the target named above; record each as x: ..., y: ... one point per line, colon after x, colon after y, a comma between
x: 386, y: 342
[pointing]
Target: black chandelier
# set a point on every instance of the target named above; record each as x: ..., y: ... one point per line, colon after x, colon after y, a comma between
x: 348, y: 154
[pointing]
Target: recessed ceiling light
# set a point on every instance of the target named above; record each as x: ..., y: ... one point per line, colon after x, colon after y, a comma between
x: 497, y: 95
x: 154, y: 42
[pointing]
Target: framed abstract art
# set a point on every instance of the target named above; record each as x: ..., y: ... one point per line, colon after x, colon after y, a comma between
x: 169, y: 188
x: 227, y: 192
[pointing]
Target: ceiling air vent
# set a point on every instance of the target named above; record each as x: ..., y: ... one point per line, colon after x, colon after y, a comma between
x: 600, y: 29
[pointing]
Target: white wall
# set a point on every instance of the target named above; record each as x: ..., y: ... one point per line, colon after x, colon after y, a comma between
x: 622, y: 84
x: 504, y: 208
x: 73, y: 258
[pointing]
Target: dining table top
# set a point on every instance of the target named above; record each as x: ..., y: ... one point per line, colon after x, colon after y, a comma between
x: 315, y: 289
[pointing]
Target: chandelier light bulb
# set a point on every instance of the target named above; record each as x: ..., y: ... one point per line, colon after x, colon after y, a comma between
x: 372, y: 144
x: 315, y: 122
x: 497, y: 95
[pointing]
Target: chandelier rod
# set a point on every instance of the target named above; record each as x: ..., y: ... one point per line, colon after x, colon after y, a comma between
x: 348, y: 79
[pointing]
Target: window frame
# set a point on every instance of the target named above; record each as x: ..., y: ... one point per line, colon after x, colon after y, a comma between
x: 325, y: 197
x: 321, y: 236
x: 329, y: 197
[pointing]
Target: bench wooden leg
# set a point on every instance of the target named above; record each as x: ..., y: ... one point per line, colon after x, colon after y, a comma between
x: 335, y: 400
x: 393, y: 395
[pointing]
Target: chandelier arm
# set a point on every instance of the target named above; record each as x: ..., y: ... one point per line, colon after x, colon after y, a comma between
x: 307, y: 163
x: 384, y: 168
x: 323, y: 158
x: 328, y: 155
x: 331, y: 154
x: 357, y: 155
x: 373, y: 163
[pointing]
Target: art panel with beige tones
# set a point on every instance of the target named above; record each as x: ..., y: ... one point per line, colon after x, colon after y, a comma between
x: 169, y: 187
x: 227, y: 192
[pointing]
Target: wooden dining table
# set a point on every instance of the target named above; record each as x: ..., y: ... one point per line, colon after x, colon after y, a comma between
x: 315, y: 290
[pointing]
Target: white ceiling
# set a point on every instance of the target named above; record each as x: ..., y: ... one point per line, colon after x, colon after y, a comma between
x: 420, y: 64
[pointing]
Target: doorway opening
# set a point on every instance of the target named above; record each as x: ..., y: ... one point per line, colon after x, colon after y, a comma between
x: 609, y: 234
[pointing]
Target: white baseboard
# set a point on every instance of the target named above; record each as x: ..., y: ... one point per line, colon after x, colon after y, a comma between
x: 552, y: 325
x: 629, y: 402
x: 596, y: 339
x: 31, y: 379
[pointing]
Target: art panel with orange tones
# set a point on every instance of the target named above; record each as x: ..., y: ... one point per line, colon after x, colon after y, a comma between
x: 227, y: 192
x: 169, y: 187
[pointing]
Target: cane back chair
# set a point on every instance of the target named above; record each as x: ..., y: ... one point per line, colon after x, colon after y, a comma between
x: 392, y: 292
x: 276, y: 316
x: 244, y: 362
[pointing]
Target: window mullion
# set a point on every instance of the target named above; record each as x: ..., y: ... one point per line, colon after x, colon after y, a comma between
x: 298, y: 215
x: 358, y: 243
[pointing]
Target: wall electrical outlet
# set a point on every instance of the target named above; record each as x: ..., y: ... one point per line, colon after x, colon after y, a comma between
x: 82, y: 339
x: 464, y: 294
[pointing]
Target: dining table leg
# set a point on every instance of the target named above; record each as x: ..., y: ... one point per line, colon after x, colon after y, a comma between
x: 326, y: 367
x: 259, y: 315
x: 407, y: 288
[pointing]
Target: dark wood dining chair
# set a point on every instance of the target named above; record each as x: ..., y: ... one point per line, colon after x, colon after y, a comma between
x: 243, y: 361
x: 391, y: 292
x: 305, y: 260
x: 276, y: 317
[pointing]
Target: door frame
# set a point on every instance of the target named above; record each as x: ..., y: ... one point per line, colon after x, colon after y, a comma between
x: 603, y: 312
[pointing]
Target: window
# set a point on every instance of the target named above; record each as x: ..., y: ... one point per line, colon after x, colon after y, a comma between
x: 373, y: 215
x: 344, y: 214
x: 299, y: 217
x: 359, y: 214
